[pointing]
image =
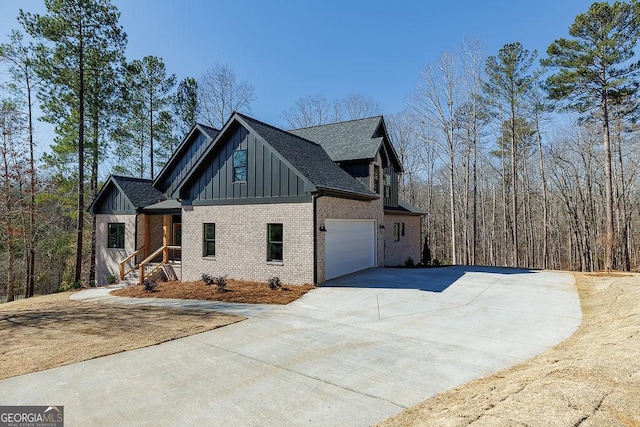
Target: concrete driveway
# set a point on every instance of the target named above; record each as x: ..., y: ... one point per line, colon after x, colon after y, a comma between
x: 353, y: 352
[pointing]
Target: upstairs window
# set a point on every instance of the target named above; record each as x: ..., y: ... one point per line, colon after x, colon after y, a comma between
x: 115, y: 236
x: 239, y: 165
x: 376, y: 179
x: 209, y: 239
x: 274, y: 242
x: 387, y: 186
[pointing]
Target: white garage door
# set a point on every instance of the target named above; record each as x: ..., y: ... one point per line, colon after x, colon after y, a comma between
x: 349, y: 246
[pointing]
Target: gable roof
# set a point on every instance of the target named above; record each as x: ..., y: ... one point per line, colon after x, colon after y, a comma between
x: 351, y: 140
x: 305, y: 157
x: 207, y: 131
x: 138, y: 191
x: 308, y: 158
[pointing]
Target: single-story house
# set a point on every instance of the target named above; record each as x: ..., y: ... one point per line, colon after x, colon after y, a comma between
x: 251, y: 201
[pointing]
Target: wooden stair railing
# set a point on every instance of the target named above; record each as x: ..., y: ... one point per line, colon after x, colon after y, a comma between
x: 125, y: 261
x: 142, y: 266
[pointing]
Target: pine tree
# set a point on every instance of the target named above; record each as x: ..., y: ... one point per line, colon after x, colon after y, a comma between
x: 67, y: 34
x: 507, y: 87
x: 592, y: 70
x: 150, y: 94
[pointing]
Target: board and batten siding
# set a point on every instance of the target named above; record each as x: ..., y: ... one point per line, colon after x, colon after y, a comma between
x: 268, y: 176
x: 114, y: 202
x: 183, y: 164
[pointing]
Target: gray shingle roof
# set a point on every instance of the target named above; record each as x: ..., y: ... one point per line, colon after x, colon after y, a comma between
x: 352, y: 140
x: 140, y: 192
x: 211, y: 132
x: 308, y: 158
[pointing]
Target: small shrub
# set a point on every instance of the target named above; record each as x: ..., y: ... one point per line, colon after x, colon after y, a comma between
x: 111, y: 279
x: 274, y: 283
x: 435, y: 262
x: 409, y: 262
x: 149, y: 285
x: 208, y: 279
x: 426, y: 252
x: 221, y: 282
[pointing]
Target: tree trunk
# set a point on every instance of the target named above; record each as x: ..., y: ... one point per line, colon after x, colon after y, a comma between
x: 545, y: 207
x: 514, y: 195
x: 610, y: 237
x: 31, y: 249
x: 95, y: 153
x: 77, y: 276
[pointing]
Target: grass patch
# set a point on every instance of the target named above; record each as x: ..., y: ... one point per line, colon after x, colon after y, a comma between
x: 48, y: 331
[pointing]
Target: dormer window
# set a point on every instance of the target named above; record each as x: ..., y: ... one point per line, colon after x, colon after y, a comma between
x: 387, y: 186
x: 239, y: 165
x: 376, y: 179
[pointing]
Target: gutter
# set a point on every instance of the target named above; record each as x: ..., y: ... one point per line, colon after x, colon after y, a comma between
x: 315, y: 196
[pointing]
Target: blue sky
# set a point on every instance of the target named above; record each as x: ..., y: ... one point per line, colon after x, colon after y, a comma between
x: 290, y: 49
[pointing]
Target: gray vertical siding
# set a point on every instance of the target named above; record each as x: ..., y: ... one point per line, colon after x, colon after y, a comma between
x: 268, y: 176
x: 183, y: 164
x: 114, y: 202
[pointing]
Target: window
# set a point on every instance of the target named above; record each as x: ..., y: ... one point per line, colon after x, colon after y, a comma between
x: 376, y: 179
x: 396, y: 231
x: 387, y: 186
x: 209, y: 239
x: 402, y: 232
x: 115, y: 237
x: 274, y: 242
x: 239, y: 165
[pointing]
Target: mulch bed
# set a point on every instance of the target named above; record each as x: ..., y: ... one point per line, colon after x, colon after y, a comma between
x: 235, y: 291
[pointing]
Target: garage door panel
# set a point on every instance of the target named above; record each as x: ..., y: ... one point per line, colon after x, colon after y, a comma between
x: 349, y: 246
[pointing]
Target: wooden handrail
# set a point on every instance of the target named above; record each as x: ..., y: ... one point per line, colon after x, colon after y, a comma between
x: 144, y: 262
x: 142, y: 265
x: 127, y: 259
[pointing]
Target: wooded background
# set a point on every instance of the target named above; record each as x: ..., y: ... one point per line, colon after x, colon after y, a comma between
x: 516, y: 158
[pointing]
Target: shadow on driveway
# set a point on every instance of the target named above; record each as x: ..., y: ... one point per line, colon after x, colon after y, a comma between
x: 435, y: 279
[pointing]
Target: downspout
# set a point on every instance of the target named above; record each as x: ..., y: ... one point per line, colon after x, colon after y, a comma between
x: 315, y: 196
x: 135, y: 236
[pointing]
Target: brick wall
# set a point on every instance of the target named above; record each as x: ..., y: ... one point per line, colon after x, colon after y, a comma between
x: 108, y: 259
x: 241, y: 242
x: 409, y: 245
x: 336, y: 208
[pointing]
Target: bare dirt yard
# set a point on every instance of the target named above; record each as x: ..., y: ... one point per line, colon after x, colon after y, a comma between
x: 235, y: 291
x: 591, y: 379
x: 52, y: 330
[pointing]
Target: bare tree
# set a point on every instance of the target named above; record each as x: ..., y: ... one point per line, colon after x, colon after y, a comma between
x: 435, y: 103
x: 356, y: 106
x: 21, y: 60
x: 220, y: 95
x: 309, y: 111
x: 316, y: 110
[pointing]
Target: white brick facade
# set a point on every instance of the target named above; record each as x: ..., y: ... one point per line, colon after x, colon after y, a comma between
x: 108, y: 259
x: 241, y: 242
x: 336, y: 208
x: 396, y: 252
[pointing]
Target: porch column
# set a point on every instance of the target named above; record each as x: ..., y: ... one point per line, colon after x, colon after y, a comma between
x: 147, y: 235
x: 166, y: 225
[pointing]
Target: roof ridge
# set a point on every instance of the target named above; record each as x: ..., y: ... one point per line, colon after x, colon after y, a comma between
x: 340, y: 122
x: 132, y: 178
x: 244, y: 116
x: 207, y: 126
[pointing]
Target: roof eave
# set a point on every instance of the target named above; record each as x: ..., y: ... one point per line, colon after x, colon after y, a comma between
x: 345, y: 194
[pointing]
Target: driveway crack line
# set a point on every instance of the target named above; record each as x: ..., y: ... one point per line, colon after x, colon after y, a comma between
x: 293, y: 371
